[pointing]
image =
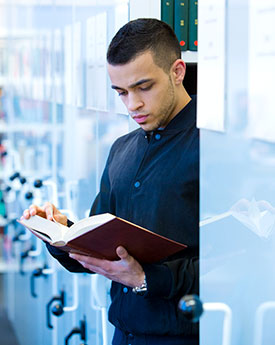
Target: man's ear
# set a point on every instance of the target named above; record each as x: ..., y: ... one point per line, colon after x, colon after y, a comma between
x: 178, y: 71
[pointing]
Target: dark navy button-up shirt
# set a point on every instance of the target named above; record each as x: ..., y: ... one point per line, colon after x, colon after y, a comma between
x: 155, y: 184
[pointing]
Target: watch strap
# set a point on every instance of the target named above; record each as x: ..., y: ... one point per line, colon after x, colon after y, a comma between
x: 141, y: 289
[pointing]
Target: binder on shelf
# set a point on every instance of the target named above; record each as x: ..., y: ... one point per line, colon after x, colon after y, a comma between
x: 167, y: 12
x: 193, y: 25
x: 181, y: 15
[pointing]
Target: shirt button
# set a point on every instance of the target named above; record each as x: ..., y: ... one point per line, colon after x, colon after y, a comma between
x: 157, y: 136
x: 137, y: 184
x: 125, y: 289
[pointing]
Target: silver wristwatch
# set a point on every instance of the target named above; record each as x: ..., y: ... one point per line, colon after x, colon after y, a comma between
x: 142, y: 289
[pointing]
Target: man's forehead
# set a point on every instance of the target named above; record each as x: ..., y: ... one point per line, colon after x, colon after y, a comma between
x: 140, y: 69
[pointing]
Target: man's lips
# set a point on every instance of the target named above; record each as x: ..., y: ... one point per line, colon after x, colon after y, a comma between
x: 140, y: 118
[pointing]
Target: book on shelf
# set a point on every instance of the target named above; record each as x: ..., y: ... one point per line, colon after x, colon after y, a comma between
x: 167, y: 12
x: 181, y: 18
x: 100, y: 235
x: 193, y: 25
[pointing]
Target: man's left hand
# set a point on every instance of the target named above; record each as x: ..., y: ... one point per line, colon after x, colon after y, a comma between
x: 126, y: 271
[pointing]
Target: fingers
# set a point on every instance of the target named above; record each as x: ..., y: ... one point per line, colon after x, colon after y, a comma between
x: 46, y: 211
x: 126, y: 271
x: 84, y: 258
x: 36, y: 210
x: 52, y: 213
x: 26, y: 214
x: 49, y: 210
x: 32, y: 211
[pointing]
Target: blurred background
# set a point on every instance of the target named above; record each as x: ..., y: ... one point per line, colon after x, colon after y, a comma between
x: 58, y: 119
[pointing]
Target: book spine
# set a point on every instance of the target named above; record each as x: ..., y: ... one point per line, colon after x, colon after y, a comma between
x: 193, y: 25
x: 181, y: 22
x: 167, y: 12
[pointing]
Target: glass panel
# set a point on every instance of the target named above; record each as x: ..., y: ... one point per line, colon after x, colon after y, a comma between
x: 237, y: 207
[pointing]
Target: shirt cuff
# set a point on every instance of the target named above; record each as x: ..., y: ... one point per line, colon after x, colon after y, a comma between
x: 69, y: 223
x: 159, y: 280
x: 55, y: 252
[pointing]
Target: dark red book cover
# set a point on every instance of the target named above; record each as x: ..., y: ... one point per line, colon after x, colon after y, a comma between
x: 145, y: 246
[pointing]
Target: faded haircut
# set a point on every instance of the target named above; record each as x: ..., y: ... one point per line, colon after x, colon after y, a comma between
x: 141, y: 35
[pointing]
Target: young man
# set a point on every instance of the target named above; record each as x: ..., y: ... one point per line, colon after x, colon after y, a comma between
x: 151, y: 179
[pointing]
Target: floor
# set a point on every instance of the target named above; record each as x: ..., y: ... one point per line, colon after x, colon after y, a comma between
x: 7, y: 336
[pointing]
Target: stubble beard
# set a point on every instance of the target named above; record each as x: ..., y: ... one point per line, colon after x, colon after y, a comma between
x: 167, y: 107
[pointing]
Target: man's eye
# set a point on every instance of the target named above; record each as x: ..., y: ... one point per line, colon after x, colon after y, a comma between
x: 146, y: 88
x: 123, y: 93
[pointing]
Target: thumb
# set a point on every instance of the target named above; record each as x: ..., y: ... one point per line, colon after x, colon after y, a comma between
x: 122, y: 253
x: 58, y: 217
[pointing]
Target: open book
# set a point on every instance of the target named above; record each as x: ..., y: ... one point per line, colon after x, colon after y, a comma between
x: 100, y: 235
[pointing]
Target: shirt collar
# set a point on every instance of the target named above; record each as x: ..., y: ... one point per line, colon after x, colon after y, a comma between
x: 183, y: 120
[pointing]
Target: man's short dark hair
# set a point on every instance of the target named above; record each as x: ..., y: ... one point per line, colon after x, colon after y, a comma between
x: 141, y: 35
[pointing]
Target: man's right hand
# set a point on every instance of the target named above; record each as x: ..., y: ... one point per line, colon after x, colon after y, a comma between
x: 48, y: 211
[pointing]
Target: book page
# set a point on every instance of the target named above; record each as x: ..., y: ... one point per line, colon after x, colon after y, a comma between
x: 51, y: 231
x: 87, y: 224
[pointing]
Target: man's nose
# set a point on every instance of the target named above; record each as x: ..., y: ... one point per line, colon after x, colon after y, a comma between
x: 134, y: 103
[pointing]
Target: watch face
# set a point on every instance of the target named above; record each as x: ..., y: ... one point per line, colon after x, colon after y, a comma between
x: 140, y: 290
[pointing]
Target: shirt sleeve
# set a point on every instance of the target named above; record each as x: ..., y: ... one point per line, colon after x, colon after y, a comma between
x: 64, y: 259
x: 173, y: 278
x: 102, y: 202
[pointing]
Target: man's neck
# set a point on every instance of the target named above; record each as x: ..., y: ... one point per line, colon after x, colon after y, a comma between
x: 183, y: 98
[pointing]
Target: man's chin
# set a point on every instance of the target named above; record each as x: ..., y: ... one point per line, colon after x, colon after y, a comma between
x: 148, y: 127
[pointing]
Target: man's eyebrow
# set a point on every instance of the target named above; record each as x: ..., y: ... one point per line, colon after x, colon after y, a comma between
x: 142, y: 81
